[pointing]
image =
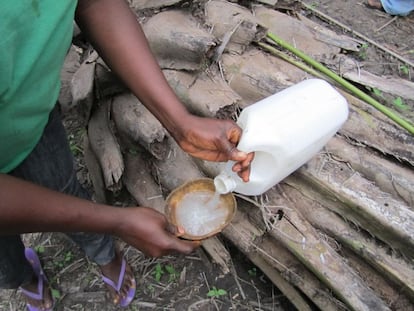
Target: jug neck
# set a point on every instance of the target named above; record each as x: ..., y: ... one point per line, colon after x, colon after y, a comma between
x: 224, y: 183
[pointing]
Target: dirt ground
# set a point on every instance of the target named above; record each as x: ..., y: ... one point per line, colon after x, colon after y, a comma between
x: 192, y: 282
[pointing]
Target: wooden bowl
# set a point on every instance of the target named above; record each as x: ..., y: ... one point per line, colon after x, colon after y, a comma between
x: 199, y: 210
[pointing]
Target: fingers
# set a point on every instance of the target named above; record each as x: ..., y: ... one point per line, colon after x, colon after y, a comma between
x: 179, y: 245
x: 185, y: 246
x: 242, y: 168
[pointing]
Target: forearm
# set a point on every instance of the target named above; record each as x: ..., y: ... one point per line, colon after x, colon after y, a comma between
x: 26, y: 207
x: 116, y: 34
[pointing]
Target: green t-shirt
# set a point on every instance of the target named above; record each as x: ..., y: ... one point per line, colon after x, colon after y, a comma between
x: 34, y: 38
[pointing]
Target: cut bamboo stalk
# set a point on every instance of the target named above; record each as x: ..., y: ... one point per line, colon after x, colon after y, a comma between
x: 386, y: 111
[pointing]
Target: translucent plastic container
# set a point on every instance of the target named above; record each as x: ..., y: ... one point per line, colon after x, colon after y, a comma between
x: 285, y: 131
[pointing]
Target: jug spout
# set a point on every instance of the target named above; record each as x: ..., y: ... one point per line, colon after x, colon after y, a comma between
x: 224, y: 183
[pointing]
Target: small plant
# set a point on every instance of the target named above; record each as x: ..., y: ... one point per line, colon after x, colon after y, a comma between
x: 377, y: 92
x: 252, y: 271
x: 158, y: 272
x: 55, y: 293
x: 399, y: 103
x: 314, y: 5
x: 172, y: 273
x: 216, y: 293
x: 40, y: 249
x: 363, y: 51
x: 404, y: 69
x: 67, y: 259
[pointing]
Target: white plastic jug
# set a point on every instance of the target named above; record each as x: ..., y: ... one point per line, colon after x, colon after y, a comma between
x: 285, y: 131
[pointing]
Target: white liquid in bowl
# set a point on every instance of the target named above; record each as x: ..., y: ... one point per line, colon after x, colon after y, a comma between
x: 201, y: 213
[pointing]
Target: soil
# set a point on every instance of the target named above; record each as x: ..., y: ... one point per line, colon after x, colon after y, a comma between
x: 180, y: 282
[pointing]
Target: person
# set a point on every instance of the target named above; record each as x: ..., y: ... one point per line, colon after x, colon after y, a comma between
x: 39, y: 191
x: 393, y: 7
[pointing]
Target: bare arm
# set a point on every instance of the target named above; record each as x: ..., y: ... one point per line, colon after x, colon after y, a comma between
x: 25, y: 207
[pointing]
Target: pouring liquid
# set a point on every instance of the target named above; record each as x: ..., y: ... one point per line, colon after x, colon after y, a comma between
x: 201, y: 213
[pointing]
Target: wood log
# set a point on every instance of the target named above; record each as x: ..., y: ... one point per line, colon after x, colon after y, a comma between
x: 393, y: 295
x: 152, y: 4
x: 177, y: 41
x: 177, y: 169
x: 297, y: 32
x: 300, y: 238
x: 82, y: 85
x: 361, y: 202
x: 234, y: 20
x: 314, y: 208
x: 95, y: 173
x: 204, y: 95
x: 70, y: 66
x: 255, y: 75
x: 140, y: 183
x: 275, y: 259
x: 370, y: 127
x: 391, y: 85
x: 106, y: 83
x: 105, y: 145
x: 135, y: 124
x: 394, y: 269
x: 391, y: 177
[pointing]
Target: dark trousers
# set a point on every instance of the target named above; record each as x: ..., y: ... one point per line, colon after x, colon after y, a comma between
x: 50, y: 165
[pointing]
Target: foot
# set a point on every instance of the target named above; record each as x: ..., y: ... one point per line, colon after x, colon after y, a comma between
x: 46, y: 303
x: 112, y: 271
x: 375, y: 4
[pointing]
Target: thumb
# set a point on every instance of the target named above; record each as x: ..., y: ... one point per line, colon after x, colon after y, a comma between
x: 175, y: 230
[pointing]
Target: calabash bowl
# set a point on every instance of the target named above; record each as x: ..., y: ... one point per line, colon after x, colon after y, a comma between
x: 206, y: 219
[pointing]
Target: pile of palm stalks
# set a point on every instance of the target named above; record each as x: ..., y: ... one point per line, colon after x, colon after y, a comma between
x: 336, y: 234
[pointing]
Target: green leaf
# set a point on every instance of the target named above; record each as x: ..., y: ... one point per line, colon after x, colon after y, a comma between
x: 377, y: 92
x: 400, y: 103
x: 158, y: 272
x: 404, y: 69
x: 40, y: 249
x: 212, y: 293
x: 55, y: 293
x: 170, y: 269
x: 221, y: 292
x: 252, y: 272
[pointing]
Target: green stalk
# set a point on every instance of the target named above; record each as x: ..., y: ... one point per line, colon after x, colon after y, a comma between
x: 290, y: 60
x: 365, y: 97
